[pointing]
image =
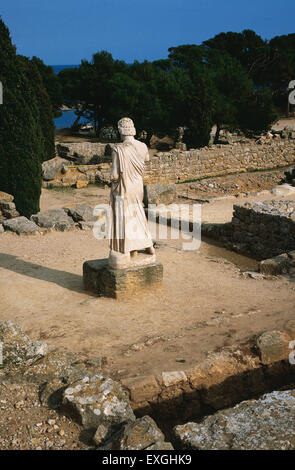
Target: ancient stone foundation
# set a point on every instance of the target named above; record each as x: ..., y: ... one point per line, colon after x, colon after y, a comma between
x: 102, y: 280
x: 91, y: 162
x: 260, y: 229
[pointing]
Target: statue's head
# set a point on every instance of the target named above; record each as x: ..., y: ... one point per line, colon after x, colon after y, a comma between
x: 126, y: 127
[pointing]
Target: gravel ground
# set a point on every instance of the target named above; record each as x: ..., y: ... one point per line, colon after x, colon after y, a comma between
x: 27, y: 425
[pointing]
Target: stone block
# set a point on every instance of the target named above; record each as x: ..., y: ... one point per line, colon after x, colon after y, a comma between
x: 142, y: 388
x: 277, y: 265
x: 273, y: 346
x: 21, y: 225
x: 102, y: 280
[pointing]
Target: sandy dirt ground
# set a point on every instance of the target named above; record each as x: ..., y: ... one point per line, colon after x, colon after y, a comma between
x: 205, y: 302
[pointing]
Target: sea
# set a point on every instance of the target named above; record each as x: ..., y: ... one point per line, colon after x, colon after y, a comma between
x: 67, y: 118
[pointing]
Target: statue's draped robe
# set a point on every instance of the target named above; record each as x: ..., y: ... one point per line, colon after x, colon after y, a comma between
x: 129, y: 230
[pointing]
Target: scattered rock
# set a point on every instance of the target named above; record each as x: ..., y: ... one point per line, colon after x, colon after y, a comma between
x: 253, y: 275
x: 82, y: 212
x: 17, y: 346
x: 273, y: 346
x: 173, y: 378
x: 83, y: 152
x: 5, y: 197
x: 57, y: 365
x: 264, y: 424
x: 137, y: 435
x: 96, y: 401
x: 56, y: 219
x: 1, y: 228
x: 21, y: 225
x: 160, y: 194
x: 81, y: 184
x: 52, y: 167
x: 280, y: 264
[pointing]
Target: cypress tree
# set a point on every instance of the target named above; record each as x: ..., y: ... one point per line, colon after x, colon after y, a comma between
x: 22, y: 147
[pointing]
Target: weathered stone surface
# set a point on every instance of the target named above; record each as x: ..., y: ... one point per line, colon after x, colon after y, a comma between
x: 280, y: 264
x: 7, y: 207
x: 173, y: 378
x: 17, y: 347
x: 273, y: 346
x: 58, y: 370
x: 5, y: 197
x: 56, y: 219
x: 1, y: 228
x: 21, y: 225
x: 263, y: 229
x: 137, y: 435
x: 83, y: 152
x: 100, y: 279
x: 52, y: 167
x: 160, y: 194
x: 82, y: 212
x: 81, y: 184
x: 86, y: 225
x: 101, y: 434
x: 177, y: 165
x: 161, y: 445
x: 57, y: 364
x: 96, y: 401
x: 142, y: 389
x: 264, y: 424
x: 218, y: 379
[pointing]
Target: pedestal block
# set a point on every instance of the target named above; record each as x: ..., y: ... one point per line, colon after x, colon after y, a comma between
x: 99, y: 278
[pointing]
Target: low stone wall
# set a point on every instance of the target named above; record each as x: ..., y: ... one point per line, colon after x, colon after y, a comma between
x: 264, y: 229
x: 176, y: 165
x: 260, y: 229
x: 7, y: 207
x: 84, y: 152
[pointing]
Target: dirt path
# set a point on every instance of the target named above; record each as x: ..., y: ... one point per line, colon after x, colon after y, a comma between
x: 205, y: 303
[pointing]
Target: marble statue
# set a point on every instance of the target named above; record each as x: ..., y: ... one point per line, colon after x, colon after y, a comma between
x: 129, y: 228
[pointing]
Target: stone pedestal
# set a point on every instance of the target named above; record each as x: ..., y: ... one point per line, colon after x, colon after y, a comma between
x: 99, y: 278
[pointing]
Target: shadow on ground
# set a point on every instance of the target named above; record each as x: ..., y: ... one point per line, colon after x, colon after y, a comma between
x: 64, y: 279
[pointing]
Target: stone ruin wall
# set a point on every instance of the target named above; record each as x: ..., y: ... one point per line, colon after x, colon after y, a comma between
x: 176, y: 166
x: 260, y: 229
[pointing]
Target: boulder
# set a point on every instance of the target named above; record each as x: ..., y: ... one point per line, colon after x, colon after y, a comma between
x: 21, y: 225
x: 17, y: 347
x: 82, y: 213
x: 52, y: 167
x: 81, y: 184
x: 162, y: 144
x: 7, y: 207
x: 160, y: 193
x: 264, y: 424
x: 56, y: 219
x: 273, y: 346
x: 280, y: 264
x: 97, y: 400
x: 5, y: 197
x: 83, y: 152
x: 137, y: 435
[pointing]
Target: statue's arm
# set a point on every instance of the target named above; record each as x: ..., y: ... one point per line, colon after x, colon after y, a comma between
x: 115, y: 167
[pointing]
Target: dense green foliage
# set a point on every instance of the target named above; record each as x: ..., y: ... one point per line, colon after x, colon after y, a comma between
x: 51, y: 83
x: 26, y: 128
x: 234, y: 80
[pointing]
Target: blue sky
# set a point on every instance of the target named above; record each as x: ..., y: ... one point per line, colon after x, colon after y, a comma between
x: 65, y: 31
